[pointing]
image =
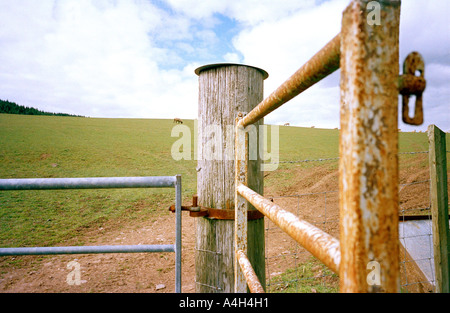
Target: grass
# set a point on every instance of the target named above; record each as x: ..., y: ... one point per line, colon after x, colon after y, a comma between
x: 309, y: 277
x: 299, y: 143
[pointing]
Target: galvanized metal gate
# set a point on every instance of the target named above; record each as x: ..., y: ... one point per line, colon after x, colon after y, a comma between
x: 366, y: 51
x: 103, y: 183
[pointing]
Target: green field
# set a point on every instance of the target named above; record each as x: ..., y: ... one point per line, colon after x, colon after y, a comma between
x: 48, y: 146
x: 51, y: 146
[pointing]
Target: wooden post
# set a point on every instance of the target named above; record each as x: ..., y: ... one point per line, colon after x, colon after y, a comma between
x: 368, y: 165
x: 224, y: 91
x: 439, y: 207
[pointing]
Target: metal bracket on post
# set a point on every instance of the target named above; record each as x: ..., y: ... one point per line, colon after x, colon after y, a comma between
x: 218, y: 214
x: 409, y: 84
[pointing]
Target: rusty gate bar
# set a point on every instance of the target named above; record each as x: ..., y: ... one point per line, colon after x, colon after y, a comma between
x: 322, y: 64
x: 368, y: 146
x: 241, y: 205
x: 250, y: 276
x: 319, y: 243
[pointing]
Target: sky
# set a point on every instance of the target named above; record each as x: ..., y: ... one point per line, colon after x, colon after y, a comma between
x: 136, y: 58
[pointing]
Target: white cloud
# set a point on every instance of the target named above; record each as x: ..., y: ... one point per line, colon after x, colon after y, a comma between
x: 232, y: 57
x: 248, y: 12
x: 95, y: 59
x: 424, y: 27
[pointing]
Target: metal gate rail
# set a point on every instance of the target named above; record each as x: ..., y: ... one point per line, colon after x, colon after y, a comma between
x: 102, y: 183
x: 322, y: 245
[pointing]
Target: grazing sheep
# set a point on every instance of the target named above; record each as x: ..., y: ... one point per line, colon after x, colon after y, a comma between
x: 177, y: 120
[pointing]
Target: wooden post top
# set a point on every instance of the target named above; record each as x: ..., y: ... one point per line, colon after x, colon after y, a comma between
x: 216, y: 65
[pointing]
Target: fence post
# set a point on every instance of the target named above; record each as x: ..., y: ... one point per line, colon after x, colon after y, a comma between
x: 368, y: 166
x: 439, y: 207
x: 225, y: 90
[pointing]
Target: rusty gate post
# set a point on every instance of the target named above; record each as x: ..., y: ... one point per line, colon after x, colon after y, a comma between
x: 368, y: 168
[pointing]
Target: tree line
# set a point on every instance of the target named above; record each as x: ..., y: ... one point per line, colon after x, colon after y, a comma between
x: 14, y: 108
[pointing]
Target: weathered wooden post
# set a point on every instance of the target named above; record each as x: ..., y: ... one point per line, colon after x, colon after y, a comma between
x: 368, y: 167
x: 224, y: 91
x: 439, y: 207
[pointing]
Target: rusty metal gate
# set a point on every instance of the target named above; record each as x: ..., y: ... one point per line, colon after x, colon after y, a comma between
x: 367, y: 54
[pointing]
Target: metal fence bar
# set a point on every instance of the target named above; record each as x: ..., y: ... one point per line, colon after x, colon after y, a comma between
x: 322, y: 64
x: 178, y: 246
x: 86, y: 249
x: 87, y: 183
x: 250, y: 276
x: 317, y: 242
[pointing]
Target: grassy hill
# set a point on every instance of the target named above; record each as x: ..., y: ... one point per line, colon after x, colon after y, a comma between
x: 52, y: 146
